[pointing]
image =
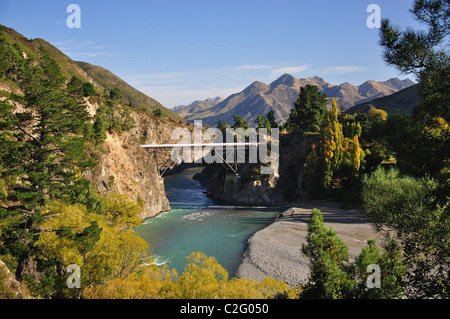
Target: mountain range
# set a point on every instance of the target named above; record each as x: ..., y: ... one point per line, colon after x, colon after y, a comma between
x: 259, y: 98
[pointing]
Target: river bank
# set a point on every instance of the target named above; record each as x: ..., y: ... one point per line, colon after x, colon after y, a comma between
x: 276, y: 251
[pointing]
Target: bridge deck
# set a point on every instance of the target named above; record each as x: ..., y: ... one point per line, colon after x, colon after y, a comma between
x: 193, y: 145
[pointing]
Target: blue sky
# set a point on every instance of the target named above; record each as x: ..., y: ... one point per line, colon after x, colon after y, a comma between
x: 181, y: 51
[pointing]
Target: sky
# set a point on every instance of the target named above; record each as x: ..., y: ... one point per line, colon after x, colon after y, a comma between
x: 178, y: 51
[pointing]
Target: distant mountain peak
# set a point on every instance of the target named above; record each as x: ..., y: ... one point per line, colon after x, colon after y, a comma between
x: 216, y: 99
x: 259, y: 98
x: 256, y: 87
x: 285, y: 79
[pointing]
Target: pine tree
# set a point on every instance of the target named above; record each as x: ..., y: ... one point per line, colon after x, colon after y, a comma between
x: 329, y: 256
x: 271, y: 118
x: 44, y: 158
x: 240, y: 122
x: 309, y: 111
x: 424, y: 54
x: 263, y: 122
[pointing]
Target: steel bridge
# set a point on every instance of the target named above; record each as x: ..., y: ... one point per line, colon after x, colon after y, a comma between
x: 229, y: 159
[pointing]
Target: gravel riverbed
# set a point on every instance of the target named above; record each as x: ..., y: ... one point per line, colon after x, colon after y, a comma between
x: 276, y: 251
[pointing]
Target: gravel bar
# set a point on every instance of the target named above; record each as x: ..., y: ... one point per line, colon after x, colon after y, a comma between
x: 276, y: 251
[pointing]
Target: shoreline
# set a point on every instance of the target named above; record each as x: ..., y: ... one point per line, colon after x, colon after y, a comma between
x: 276, y: 250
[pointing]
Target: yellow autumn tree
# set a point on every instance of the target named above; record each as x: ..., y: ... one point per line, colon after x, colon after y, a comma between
x: 203, y: 278
x: 356, y: 156
x: 377, y: 115
x: 101, y: 245
x: 150, y: 282
x: 331, y: 146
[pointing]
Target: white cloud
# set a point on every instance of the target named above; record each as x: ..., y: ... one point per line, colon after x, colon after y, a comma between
x: 79, y: 49
x: 290, y: 69
x: 254, y: 67
x: 171, y: 96
x: 343, y: 69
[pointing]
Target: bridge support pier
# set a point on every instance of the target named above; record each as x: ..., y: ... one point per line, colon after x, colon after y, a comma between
x: 233, y: 183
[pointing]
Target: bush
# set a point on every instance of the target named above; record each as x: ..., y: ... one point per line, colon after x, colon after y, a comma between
x: 396, y: 202
x: 157, y: 113
x: 332, y: 276
x: 88, y: 89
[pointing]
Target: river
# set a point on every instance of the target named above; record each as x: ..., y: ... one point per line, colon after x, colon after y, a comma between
x: 197, y: 223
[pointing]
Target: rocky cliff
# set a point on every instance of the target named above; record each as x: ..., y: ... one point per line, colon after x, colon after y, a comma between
x: 287, y: 186
x: 124, y: 167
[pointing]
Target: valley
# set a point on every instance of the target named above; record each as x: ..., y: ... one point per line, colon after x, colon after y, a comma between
x: 323, y: 191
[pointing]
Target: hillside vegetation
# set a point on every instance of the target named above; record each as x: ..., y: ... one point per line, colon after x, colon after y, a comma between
x: 103, y: 80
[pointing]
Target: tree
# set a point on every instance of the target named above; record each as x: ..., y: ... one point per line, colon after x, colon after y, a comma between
x: 203, y: 278
x: 240, y: 122
x: 116, y: 94
x: 12, y: 62
x: 406, y: 208
x: 356, y: 156
x: 328, y: 256
x: 332, y: 276
x: 423, y: 53
x: 271, y: 118
x: 309, y: 111
x: 113, y: 116
x: 263, y: 122
x: 43, y: 160
x: 377, y: 115
x: 157, y: 113
x: 88, y: 89
x: 222, y: 126
x: 331, y: 146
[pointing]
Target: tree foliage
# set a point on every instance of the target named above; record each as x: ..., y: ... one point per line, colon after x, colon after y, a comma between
x: 263, y: 122
x: 330, y: 153
x: 424, y: 54
x: 240, y: 122
x: 407, y: 207
x: 203, y: 278
x: 333, y: 276
x: 356, y: 156
x: 88, y: 89
x: 310, y: 110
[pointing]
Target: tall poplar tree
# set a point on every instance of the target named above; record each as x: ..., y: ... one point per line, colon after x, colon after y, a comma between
x: 356, y: 156
x: 331, y: 146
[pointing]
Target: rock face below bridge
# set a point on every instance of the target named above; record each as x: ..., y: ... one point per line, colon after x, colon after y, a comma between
x: 285, y: 186
x: 124, y: 167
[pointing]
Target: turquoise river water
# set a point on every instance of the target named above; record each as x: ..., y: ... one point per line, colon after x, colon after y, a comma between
x: 197, y: 223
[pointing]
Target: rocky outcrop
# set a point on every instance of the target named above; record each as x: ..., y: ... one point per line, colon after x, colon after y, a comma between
x: 124, y: 167
x: 286, y: 186
x: 10, y: 288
